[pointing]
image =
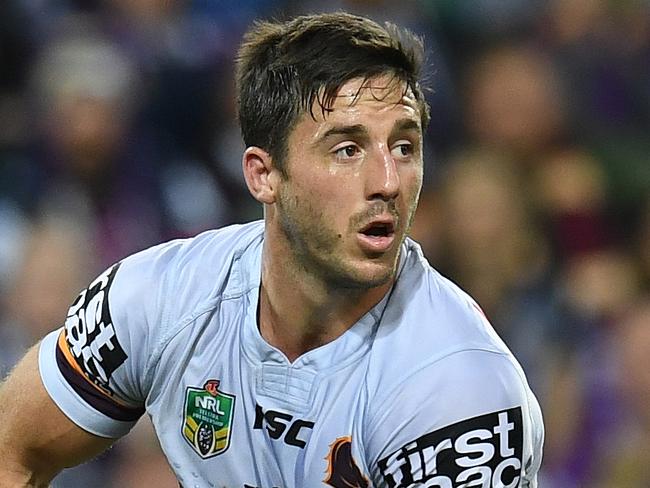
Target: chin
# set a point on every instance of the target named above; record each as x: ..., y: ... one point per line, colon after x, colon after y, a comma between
x: 366, y: 276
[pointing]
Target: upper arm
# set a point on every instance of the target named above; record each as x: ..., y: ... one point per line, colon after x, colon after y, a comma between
x: 467, y: 417
x: 99, y: 367
x: 94, y: 367
x: 84, y: 385
x: 36, y: 439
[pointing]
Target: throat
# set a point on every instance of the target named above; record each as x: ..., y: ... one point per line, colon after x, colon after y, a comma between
x: 292, y: 346
x: 296, y: 327
x: 292, y: 334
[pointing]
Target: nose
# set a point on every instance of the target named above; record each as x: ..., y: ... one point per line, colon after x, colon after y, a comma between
x: 382, y: 178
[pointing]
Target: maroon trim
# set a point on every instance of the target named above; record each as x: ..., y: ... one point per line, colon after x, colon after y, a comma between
x: 92, y: 396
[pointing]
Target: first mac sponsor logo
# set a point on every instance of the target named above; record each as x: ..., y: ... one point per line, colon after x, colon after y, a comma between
x: 484, y: 452
x: 90, y: 333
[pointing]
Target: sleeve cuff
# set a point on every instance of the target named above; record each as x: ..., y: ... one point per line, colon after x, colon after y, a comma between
x: 64, y: 396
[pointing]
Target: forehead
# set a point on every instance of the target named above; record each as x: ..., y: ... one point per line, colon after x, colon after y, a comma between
x: 357, y: 96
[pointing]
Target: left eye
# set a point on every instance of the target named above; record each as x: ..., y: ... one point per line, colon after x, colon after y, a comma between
x: 402, y: 150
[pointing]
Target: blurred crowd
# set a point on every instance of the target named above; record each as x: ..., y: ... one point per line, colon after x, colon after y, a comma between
x: 117, y: 131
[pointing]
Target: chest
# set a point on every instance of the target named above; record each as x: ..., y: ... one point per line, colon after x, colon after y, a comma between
x: 226, y: 416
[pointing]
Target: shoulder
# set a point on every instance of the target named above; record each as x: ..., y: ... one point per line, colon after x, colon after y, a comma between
x: 170, y: 282
x: 473, y: 405
x: 440, y: 377
x: 428, y: 318
x: 206, y: 252
x: 434, y: 342
x: 185, y: 263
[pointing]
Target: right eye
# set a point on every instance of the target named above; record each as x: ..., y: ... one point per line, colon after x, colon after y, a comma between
x: 347, y: 152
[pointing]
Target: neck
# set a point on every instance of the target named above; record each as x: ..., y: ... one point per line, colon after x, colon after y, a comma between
x: 300, y: 311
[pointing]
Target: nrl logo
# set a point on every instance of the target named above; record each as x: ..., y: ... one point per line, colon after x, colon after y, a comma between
x: 208, y: 418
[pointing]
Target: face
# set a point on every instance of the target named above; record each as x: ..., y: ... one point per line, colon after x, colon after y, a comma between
x: 354, y: 177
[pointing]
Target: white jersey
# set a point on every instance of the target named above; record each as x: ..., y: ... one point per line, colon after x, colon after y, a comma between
x: 419, y: 392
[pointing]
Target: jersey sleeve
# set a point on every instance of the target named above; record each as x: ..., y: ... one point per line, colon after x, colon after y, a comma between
x: 96, y: 367
x: 468, y: 419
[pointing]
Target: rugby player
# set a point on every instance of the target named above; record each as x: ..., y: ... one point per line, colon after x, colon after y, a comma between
x: 317, y: 347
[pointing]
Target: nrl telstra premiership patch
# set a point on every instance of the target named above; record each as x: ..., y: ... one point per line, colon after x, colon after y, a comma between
x: 208, y: 415
x: 484, y: 451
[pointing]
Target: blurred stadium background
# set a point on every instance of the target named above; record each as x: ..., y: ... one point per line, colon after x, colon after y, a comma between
x: 117, y: 131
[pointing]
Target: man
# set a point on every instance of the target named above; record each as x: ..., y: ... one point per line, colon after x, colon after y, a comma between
x: 315, y: 348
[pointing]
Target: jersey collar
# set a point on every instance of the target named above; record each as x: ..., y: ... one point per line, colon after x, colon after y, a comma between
x: 347, y: 348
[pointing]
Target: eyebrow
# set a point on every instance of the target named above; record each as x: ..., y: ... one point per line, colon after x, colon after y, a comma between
x: 405, y: 125
x: 360, y: 130
x: 357, y: 130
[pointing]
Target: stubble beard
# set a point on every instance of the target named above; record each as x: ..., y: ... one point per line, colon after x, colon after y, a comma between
x: 317, y: 249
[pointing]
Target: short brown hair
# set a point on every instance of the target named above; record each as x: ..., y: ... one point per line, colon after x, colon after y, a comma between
x: 284, y: 67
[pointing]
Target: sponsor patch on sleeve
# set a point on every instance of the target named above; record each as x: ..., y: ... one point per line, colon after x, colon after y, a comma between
x: 484, y: 451
x: 88, y: 351
x: 90, y: 333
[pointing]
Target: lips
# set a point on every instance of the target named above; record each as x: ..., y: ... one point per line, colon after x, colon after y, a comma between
x: 378, y: 235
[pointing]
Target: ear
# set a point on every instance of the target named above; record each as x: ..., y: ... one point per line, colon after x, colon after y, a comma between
x: 259, y: 174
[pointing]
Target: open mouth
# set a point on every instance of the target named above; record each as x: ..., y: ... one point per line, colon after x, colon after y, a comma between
x: 377, y: 237
x: 379, y: 229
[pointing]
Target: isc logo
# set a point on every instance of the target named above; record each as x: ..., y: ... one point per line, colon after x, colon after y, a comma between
x: 484, y: 452
x: 276, y: 423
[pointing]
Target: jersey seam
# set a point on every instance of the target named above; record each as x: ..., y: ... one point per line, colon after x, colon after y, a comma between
x: 209, y: 305
x: 152, y: 363
x: 167, y: 339
x: 413, y: 372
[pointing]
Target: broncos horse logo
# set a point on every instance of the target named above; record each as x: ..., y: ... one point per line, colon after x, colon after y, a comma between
x: 343, y: 471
